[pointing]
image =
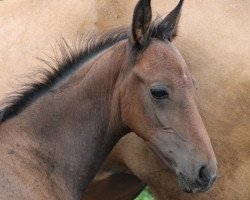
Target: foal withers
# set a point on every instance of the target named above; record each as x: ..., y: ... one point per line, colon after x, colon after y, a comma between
x: 55, y: 135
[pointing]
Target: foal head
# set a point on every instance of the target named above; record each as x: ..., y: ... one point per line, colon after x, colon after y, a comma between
x: 158, y: 101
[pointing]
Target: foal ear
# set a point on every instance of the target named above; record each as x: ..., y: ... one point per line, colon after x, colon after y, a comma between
x: 167, y: 28
x: 141, y: 23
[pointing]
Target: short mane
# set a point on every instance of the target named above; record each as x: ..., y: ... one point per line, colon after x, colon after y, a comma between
x: 71, y: 56
x: 80, y: 53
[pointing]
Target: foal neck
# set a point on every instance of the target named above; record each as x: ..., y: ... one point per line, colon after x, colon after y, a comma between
x: 75, y: 125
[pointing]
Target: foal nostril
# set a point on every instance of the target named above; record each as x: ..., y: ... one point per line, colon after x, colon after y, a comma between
x: 204, y: 176
x: 203, y: 180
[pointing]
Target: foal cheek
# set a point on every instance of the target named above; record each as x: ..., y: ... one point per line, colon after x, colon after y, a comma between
x: 135, y: 115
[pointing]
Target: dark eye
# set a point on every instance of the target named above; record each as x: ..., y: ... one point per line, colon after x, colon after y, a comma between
x: 159, y: 92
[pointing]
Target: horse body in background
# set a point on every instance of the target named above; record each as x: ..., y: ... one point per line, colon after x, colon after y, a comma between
x: 56, y: 133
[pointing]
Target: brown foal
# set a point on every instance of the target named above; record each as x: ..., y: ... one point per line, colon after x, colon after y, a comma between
x: 54, y: 135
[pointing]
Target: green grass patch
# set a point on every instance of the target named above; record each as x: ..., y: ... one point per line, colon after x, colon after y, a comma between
x: 146, y: 194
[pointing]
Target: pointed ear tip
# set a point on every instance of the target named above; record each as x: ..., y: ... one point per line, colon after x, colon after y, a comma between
x: 181, y: 3
x: 168, y: 27
x: 142, y: 17
x: 143, y: 2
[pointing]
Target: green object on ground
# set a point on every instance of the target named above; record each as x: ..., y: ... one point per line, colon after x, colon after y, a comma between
x: 146, y: 194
